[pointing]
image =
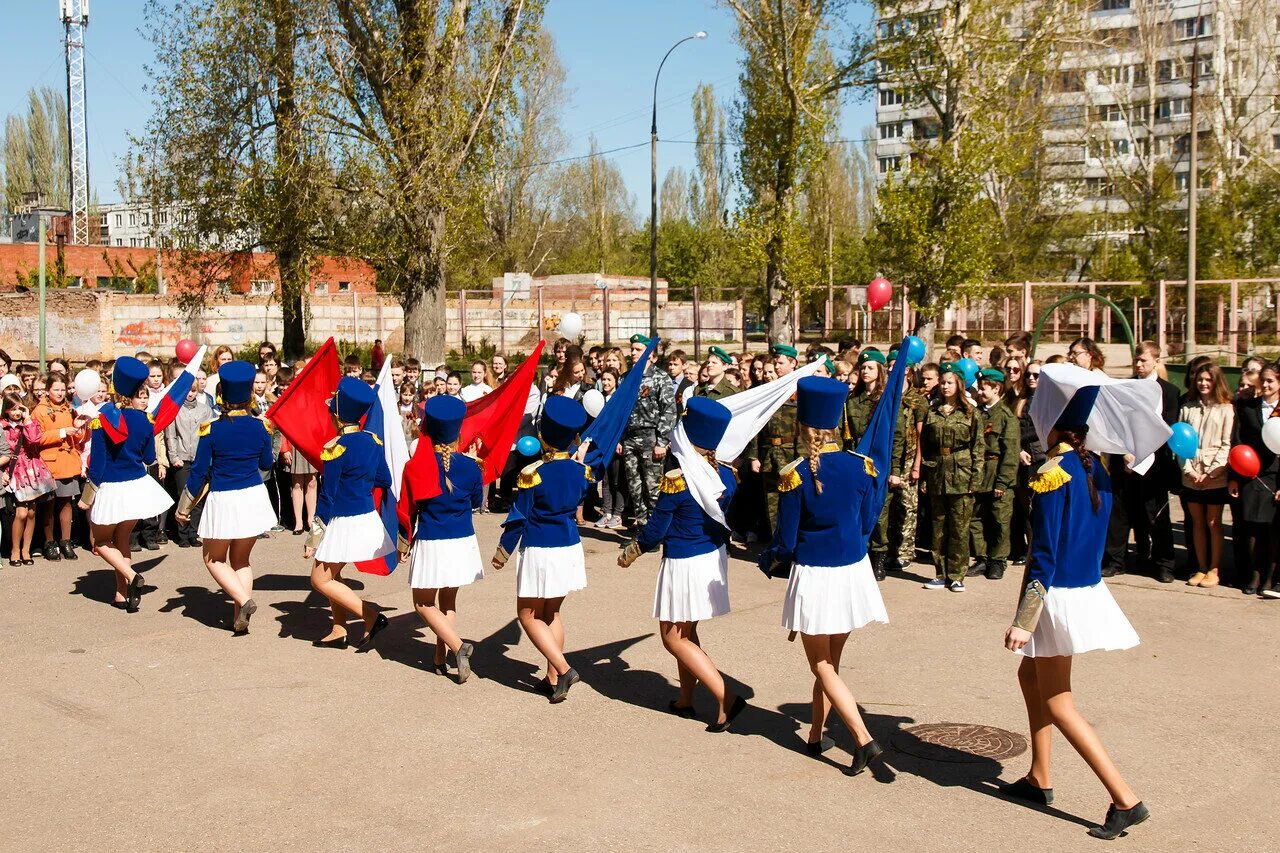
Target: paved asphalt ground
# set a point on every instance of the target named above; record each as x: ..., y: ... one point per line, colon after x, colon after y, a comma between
x: 160, y: 731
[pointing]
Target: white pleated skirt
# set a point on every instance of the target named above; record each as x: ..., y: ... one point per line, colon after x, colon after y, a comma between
x: 440, y: 563
x: 1079, y: 619
x: 832, y: 599
x: 353, y: 538
x: 550, y: 572
x: 691, y: 589
x: 237, y: 514
x: 129, y: 501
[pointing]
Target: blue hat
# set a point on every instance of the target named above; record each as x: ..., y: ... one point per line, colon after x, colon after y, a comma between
x: 705, y: 421
x: 1077, y: 411
x: 235, y: 382
x: 442, y: 418
x: 128, y: 375
x: 562, y: 417
x: 352, y: 401
x: 820, y: 401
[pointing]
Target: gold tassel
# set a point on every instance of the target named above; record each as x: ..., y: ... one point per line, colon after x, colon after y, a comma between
x: 332, y: 451
x: 673, y: 485
x: 528, y: 480
x: 1047, y: 481
x: 869, y: 467
x: 788, y: 480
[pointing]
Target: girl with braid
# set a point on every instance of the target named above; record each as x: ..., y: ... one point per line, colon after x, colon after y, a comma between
x: 1066, y: 608
x: 445, y: 554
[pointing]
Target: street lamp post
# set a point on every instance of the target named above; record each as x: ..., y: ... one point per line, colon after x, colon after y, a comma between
x: 653, y: 191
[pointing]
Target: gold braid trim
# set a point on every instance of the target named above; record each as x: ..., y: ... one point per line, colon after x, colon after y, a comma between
x: 529, y: 477
x: 1047, y: 481
x: 788, y: 480
x: 673, y: 483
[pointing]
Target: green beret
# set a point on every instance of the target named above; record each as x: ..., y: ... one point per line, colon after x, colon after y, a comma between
x: 893, y: 355
x: 952, y: 367
x: 990, y: 374
x: 640, y: 339
x: 784, y: 349
x: 871, y: 354
x: 831, y: 365
x: 716, y: 352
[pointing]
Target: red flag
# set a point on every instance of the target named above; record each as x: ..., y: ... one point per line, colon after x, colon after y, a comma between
x: 421, y: 482
x: 302, y: 410
x: 493, y: 420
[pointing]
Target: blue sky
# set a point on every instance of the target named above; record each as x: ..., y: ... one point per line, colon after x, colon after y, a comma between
x: 610, y: 49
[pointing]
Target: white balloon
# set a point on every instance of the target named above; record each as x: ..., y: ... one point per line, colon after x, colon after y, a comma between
x: 1271, y: 434
x: 593, y: 402
x: 571, y: 325
x: 87, y: 383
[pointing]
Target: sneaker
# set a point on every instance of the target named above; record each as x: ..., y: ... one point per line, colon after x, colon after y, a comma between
x: 956, y: 586
x: 1271, y: 593
x: 604, y: 521
x: 615, y: 523
x: 936, y: 583
x: 896, y: 564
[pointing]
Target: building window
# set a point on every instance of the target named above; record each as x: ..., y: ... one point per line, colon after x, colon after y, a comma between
x: 146, y: 218
x: 1172, y: 108
x: 262, y: 287
x: 322, y: 287
x: 344, y: 286
x: 1069, y: 116
x: 1071, y: 80
x: 889, y: 164
x: 1190, y: 28
x: 1110, y: 5
x: 1242, y: 107
x: 892, y: 130
x: 1181, y: 181
x: 891, y: 98
x: 119, y: 241
x: 1275, y: 141
x: 119, y: 220
x: 1108, y: 112
x: 925, y: 129
x: 223, y: 287
x: 162, y: 217
x: 1098, y: 187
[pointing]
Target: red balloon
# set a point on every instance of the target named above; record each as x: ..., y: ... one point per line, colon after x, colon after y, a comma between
x: 1243, y: 459
x: 186, y: 350
x: 879, y: 292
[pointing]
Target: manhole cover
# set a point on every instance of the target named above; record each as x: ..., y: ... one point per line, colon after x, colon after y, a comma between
x: 959, y: 743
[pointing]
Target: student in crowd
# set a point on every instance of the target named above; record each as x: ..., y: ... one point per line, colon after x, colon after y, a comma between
x: 26, y: 474
x: 1084, y: 352
x: 951, y: 443
x: 1204, y: 477
x: 482, y: 382
x: 181, y: 439
x: 62, y: 437
x: 612, y: 486
x: 1253, y: 508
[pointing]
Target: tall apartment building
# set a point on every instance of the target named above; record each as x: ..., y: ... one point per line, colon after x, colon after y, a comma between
x: 1124, y: 100
x: 134, y: 225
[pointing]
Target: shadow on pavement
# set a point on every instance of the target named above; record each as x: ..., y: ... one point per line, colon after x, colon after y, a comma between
x: 210, y: 608
x: 95, y: 585
x: 286, y: 583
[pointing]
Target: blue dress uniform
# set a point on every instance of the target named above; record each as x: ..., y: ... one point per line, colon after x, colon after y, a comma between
x: 542, y: 521
x: 348, y: 526
x: 445, y: 552
x: 232, y: 452
x: 1067, y: 540
x: 693, y: 580
x: 824, y: 534
x: 124, y: 490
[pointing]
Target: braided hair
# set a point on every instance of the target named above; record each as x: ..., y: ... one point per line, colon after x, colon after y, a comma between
x: 446, y: 459
x: 816, y: 439
x: 1075, y: 437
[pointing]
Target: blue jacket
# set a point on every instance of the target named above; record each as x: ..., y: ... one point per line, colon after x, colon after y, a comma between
x: 1067, y: 536
x: 448, y: 515
x: 119, y: 463
x: 230, y: 455
x: 680, y: 525
x: 354, y: 465
x: 831, y: 528
x: 543, y: 514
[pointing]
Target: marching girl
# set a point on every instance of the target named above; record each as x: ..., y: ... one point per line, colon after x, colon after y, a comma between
x: 124, y: 491
x: 346, y: 527
x: 693, y: 580
x: 1067, y: 610
x: 445, y: 554
x: 542, y: 522
x: 231, y: 454
x: 828, y: 507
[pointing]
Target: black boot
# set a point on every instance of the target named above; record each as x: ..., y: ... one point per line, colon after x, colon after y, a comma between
x: 1164, y: 574
x: 877, y: 566
x: 995, y: 569
x: 50, y: 551
x: 68, y: 550
x: 979, y: 567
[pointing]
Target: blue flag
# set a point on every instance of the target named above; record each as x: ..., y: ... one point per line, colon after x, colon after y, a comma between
x: 606, y: 431
x: 877, y: 442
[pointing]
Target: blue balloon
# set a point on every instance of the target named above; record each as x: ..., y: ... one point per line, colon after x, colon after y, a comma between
x: 1183, y: 442
x: 529, y: 446
x: 970, y: 368
x: 914, y: 349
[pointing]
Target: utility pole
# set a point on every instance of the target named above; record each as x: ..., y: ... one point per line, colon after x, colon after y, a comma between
x: 75, y: 19
x: 1193, y: 185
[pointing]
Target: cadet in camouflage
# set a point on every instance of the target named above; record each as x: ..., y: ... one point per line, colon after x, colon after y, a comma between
x: 779, y: 441
x: 718, y: 385
x: 993, y: 494
x: 951, y: 445
x: 644, y: 442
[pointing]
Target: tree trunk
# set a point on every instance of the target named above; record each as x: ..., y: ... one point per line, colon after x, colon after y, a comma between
x: 294, y: 278
x: 422, y: 292
x: 293, y: 256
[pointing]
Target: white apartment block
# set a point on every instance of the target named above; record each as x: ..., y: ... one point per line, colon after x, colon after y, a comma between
x: 135, y: 224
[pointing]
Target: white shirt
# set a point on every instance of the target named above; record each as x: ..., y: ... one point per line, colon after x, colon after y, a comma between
x: 1267, y: 409
x: 475, y: 391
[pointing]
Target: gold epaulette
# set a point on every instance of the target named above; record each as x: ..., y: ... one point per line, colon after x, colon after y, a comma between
x: 673, y: 482
x: 731, y: 469
x: 96, y: 423
x: 529, y: 476
x: 586, y: 472
x: 332, y: 450
x: 268, y: 425
x: 789, y: 477
x: 1049, y: 477
x: 204, y: 428
x: 867, y: 465
x: 151, y: 417
x: 376, y: 440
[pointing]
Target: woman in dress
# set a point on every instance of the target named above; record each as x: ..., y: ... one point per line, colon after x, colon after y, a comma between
x: 1204, y: 477
x: 445, y: 554
x: 950, y: 457
x: 346, y: 527
x: 231, y: 454
x: 119, y: 453
x: 828, y: 507
x: 62, y: 437
x: 693, y: 580
x: 28, y: 477
x: 1067, y: 610
x: 1253, y: 510
x: 542, y: 526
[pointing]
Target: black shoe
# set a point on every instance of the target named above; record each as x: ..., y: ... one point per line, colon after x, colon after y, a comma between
x: 995, y: 569
x: 684, y: 712
x: 299, y: 532
x: 816, y: 748
x: 68, y: 550
x: 739, y: 705
x: 877, y: 566
x: 1165, y: 574
x: 440, y: 668
x: 15, y: 563
x: 544, y: 686
x: 896, y: 564
x: 379, y: 623
x: 1022, y: 789
x: 182, y: 543
x: 1248, y: 590
x: 241, y: 623
x: 979, y: 567
x: 1118, y: 820
x: 50, y: 552
x: 563, y: 683
x: 1111, y: 571
x: 465, y: 651
x: 28, y: 562
x: 338, y: 643
x: 151, y: 545
x: 864, y: 755
x: 133, y: 595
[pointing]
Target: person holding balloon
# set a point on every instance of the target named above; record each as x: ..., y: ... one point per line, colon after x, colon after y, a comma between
x: 951, y: 456
x: 62, y: 435
x: 1252, y: 483
x: 1209, y: 414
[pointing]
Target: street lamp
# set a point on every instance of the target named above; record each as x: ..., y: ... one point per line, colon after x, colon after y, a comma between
x: 653, y: 192
x: 41, y: 213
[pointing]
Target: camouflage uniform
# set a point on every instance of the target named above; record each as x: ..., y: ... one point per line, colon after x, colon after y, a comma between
x: 904, y: 503
x: 719, y: 391
x: 651, y: 421
x: 950, y: 467
x: 777, y: 445
x: 989, y: 529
